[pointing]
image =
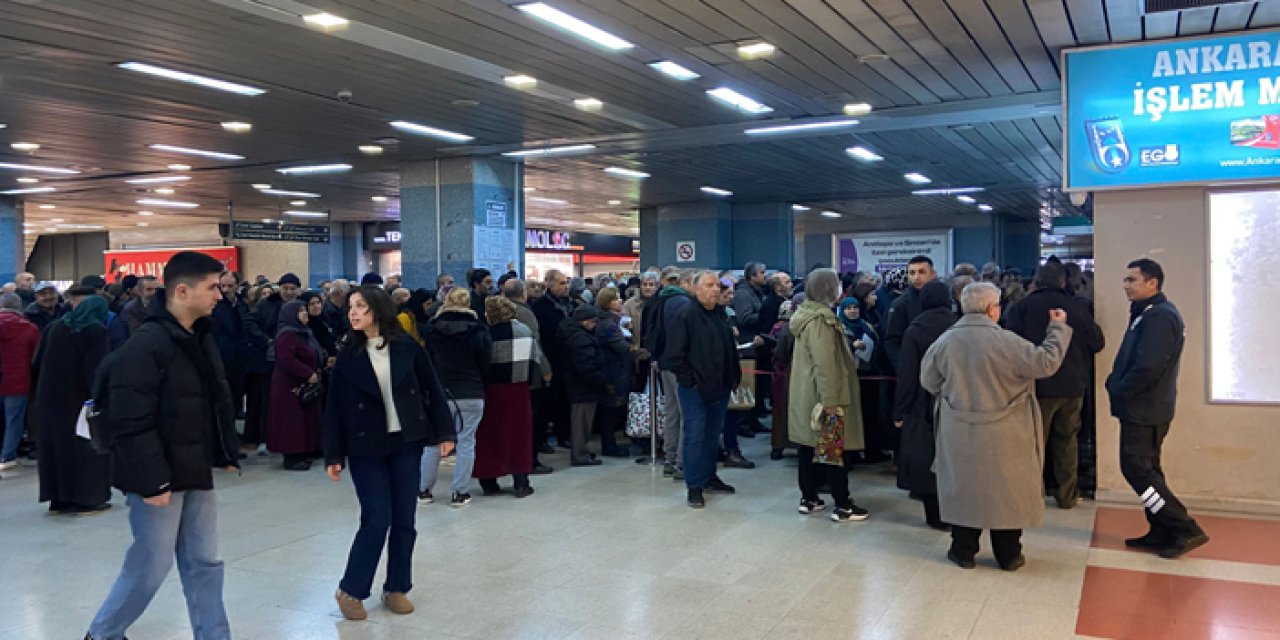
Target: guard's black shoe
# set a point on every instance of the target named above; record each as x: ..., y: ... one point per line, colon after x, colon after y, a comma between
x: 1184, y: 545
x: 716, y: 485
x: 1015, y: 564
x: 963, y: 563
x: 1151, y: 540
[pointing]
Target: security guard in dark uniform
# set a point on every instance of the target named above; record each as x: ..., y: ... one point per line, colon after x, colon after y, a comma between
x: 1144, y: 389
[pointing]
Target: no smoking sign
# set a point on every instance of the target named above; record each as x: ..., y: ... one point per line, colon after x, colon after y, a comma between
x: 686, y: 251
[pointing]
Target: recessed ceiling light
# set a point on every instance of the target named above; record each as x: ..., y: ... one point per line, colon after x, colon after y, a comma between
x: 165, y: 191
x: 916, y: 178
x: 146, y: 213
x: 27, y: 232
x: 966, y: 199
x: 716, y: 191
x: 831, y: 214
x: 176, y: 204
x: 260, y: 185
x: 370, y: 149
x: 864, y: 154
x: 614, y: 203
x: 463, y: 102
x: 25, y: 180
x: 873, y: 57
x: 735, y: 99
x: 268, y: 220
x: 530, y: 189
x: 549, y: 151
x: 950, y: 191
x: 25, y: 146
x: 799, y: 207
x: 191, y: 78
x: 574, y: 25
x: 326, y: 21
x: 588, y: 104
x: 314, y: 168
x: 626, y: 173
x: 379, y: 198
x: 291, y: 194
x: 857, y: 109
x: 56, y: 220
x: 158, y: 180
x: 297, y: 203
x: 48, y: 206
x: 216, y: 155
x: 521, y: 81
x: 144, y: 224
x: 756, y: 50
x: 550, y: 201
x: 37, y: 169
x: 19, y: 192
x: 179, y: 167
x: 985, y: 208
x: 422, y: 129
x: 792, y: 128
x: 237, y: 127
x: 673, y: 70
x: 306, y: 214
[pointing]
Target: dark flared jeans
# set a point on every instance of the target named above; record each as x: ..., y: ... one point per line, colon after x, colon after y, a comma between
x: 387, y: 488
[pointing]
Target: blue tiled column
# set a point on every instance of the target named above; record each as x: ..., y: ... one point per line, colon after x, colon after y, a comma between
x: 342, y: 257
x: 13, y: 254
x: 459, y: 213
x: 708, y: 224
x: 763, y: 233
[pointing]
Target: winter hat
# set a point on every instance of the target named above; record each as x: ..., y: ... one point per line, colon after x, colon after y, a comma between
x: 45, y: 285
x: 584, y: 313
x: 371, y: 278
x: 290, y: 278
x: 93, y: 282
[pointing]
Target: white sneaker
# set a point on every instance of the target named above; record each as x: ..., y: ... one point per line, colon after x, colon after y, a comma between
x: 12, y: 464
x: 262, y: 449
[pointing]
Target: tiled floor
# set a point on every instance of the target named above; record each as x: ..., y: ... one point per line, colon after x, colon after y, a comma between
x: 597, y: 553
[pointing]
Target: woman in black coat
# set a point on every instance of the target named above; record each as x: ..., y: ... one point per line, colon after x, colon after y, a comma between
x: 913, y: 406
x: 74, y: 478
x: 382, y: 445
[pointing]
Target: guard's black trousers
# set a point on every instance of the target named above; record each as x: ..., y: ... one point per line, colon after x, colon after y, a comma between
x: 1006, y: 544
x: 1140, y: 463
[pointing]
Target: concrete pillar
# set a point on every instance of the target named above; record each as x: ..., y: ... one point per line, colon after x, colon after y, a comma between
x: 1019, y: 243
x: 342, y: 257
x: 13, y: 251
x: 459, y: 213
x: 708, y: 225
x: 763, y: 233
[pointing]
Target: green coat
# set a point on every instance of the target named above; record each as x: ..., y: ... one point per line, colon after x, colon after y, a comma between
x: 823, y: 372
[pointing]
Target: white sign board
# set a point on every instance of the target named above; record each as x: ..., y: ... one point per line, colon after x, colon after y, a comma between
x: 686, y: 251
x: 880, y: 251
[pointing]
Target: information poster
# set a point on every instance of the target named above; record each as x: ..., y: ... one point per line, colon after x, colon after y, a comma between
x: 1180, y: 111
x: 880, y: 251
x: 497, y: 243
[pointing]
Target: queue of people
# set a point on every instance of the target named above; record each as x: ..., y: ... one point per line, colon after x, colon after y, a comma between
x: 975, y: 388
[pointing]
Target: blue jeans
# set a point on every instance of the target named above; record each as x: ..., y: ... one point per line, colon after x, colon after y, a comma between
x: 703, y: 423
x: 187, y: 528
x: 386, y: 487
x: 472, y: 411
x: 731, y: 421
x: 15, y: 417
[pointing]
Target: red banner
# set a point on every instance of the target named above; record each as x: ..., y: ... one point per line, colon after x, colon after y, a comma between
x: 150, y: 262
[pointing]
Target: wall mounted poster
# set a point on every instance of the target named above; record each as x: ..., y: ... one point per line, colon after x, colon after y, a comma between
x: 880, y: 251
x: 1191, y: 110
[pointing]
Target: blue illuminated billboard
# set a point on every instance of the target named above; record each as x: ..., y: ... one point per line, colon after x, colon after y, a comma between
x: 1185, y: 111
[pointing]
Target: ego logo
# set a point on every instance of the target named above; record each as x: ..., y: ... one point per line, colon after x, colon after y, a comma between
x: 1165, y: 156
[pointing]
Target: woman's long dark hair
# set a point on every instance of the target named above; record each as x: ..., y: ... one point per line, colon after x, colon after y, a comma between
x: 384, y: 313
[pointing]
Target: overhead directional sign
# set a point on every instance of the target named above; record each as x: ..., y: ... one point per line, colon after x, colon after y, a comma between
x: 1191, y: 110
x: 245, y: 230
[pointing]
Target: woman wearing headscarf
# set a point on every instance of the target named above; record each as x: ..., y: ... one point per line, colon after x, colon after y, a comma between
x: 634, y: 308
x: 824, y: 388
x: 784, y: 346
x: 74, y: 478
x: 293, y: 427
x: 617, y: 357
x: 413, y: 315
x: 319, y: 328
x: 503, y: 440
x: 913, y: 406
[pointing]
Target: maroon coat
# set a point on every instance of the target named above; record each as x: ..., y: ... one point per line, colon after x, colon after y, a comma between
x: 18, y: 340
x: 291, y: 426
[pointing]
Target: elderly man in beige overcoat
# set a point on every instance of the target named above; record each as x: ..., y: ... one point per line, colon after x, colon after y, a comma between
x: 990, y: 447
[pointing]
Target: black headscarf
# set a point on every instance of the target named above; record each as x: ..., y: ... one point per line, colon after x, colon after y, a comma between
x: 319, y: 328
x: 289, y: 322
x: 417, y: 305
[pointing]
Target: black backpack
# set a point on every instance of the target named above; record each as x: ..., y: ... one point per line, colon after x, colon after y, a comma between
x: 99, y: 415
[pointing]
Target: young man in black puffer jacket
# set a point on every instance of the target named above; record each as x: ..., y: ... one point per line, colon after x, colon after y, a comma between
x: 169, y: 412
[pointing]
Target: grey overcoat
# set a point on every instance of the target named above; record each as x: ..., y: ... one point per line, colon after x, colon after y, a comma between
x: 990, y: 448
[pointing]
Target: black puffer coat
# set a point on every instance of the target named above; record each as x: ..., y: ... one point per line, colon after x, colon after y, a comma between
x: 912, y: 404
x: 584, y: 380
x: 461, y: 348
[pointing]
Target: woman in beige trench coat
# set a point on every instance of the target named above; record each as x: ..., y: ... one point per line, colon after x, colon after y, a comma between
x: 824, y: 374
x: 990, y: 448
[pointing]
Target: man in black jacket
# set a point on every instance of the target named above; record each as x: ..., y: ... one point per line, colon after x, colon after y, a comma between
x: 1061, y: 396
x: 169, y: 411
x: 583, y: 379
x: 701, y: 352
x: 239, y: 338
x: 550, y: 404
x: 1143, y: 386
x: 907, y: 306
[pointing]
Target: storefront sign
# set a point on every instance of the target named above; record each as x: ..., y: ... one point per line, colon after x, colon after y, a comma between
x: 243, y: 230
x: 880, y: 251
x: 1195, y: 110
x: 118, y: 264
x: 547, y: 240
x: 382, y: 236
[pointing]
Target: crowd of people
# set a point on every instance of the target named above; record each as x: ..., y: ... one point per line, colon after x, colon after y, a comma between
x: 975, y: 386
